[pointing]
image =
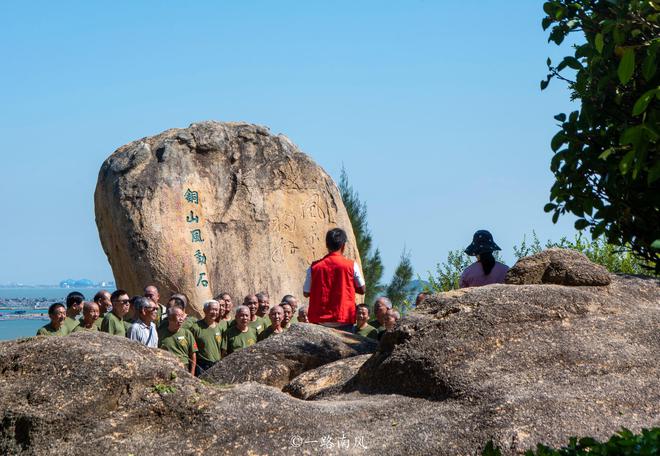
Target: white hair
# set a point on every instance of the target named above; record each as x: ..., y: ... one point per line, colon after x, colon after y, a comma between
x: 208, y: 303
x: 242, y: 307
x: 385, y: 301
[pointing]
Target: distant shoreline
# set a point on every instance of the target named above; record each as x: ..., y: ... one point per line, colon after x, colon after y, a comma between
x: 33, y: 316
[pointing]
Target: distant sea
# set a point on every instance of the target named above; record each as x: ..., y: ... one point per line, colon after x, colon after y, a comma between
x: 13, y: 299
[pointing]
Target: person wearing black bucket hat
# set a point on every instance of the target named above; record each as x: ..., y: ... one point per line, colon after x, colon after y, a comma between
x: 486, y: 270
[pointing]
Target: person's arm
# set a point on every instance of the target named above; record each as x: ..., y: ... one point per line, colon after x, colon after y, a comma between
x: 193, y: 354
x: 307, y: 287
x: 193, y: 363
x: 360, y: 285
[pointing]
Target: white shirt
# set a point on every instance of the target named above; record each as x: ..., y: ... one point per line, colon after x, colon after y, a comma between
x: 146, y: 335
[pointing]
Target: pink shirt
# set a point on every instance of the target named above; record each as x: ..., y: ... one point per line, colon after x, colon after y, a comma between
x: 474, y: 276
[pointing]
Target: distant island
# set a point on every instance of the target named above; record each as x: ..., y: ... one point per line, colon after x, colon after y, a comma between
x: 66, y: 283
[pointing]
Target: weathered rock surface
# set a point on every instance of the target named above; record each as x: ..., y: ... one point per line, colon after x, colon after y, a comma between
x: 539, y: 362
x: 517, y: 363
x: 91, y: 393
x: 325, y: 380
x: 282, y: 357
x: 261, y: 206
x: 559, y: 267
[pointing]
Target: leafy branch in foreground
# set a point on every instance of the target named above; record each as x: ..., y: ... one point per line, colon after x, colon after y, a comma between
x: 606, y: 160
x: 623, y: 443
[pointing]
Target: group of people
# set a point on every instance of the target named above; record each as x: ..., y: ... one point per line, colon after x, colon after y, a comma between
x: 331, y: 284
x: 197, y: 343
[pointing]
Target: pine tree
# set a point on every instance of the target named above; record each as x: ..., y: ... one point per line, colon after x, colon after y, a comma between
x: 398, y: 290
x: 372, y: 264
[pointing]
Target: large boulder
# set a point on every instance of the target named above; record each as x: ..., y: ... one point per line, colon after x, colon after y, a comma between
x: 282, y: 357
x: 216, y: 206
x: 91, y: 393
x: 327, y: 380
x: 559, y: 267
x: 519, y: 364
x: 539, y: 362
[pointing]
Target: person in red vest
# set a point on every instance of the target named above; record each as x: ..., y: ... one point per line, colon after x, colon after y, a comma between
x: 331, y: 284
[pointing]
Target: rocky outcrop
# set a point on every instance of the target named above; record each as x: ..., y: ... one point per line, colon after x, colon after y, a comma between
x: 282, y: 357
x: 326, y: 380
x: 215, y: 207
x: 91, y: 393
x: 541, y: 362
x: 559, y: 267
x: 520, y: 364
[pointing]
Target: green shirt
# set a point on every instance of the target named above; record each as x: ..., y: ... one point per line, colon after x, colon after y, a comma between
x: 208, y: 340
x: 48, y: 330
x: 113, y: 325
x: 70, y: 324
x: 374, y: 324
x: 258, y: 325
x: 181, y: 343
x: 190, y: 321
x: 368, y: 331
x: 267, y: 333
x: 98, y: 322
x: 234, y: 339
x: 82, y: 328
x: 265, y: 320
x: 224, y: 325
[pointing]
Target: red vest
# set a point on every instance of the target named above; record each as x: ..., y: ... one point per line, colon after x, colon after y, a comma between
x: 332, y: 295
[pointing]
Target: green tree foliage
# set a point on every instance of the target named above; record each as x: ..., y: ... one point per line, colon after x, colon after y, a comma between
x: 623, y: 443
x: 399, y: 288
x: 614, y: 258
x: 606, y: 159
x: 372, y: 264
x: 448, y: 273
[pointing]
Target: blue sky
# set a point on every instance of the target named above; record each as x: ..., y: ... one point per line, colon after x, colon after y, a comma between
x: 434, y: 108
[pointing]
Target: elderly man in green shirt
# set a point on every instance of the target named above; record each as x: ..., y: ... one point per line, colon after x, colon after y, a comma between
x: 362, y: 327
x: 57, y: 315
x: 208, y: 335
x: 381, y: 306
x: 256, y: 322
x: 103, y: 300
x: 178, y: 340
x: 293, y: 302
x: 226, y: 306
x: 181, y: 301
x: 113, y: 322
x: 287, y: 317
x: 74, y: 307
x: 276, y: 315
x: 239, y: 335
x: 90, y: 316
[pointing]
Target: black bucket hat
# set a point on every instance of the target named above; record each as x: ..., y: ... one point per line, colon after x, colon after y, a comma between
x: 482, y: 242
